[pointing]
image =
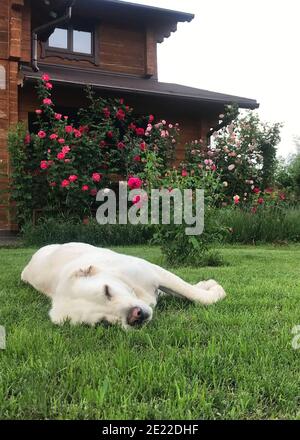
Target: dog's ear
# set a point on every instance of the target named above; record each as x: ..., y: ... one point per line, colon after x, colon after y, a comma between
x: 86, y: 272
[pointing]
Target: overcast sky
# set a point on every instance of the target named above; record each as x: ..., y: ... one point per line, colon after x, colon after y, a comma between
x: 248, y: 48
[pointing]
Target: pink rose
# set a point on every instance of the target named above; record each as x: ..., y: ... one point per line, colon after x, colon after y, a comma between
x: 60, y: 155
x: 96, y: 177
x: 134, y: 183
x: 46, y: 77
x: 65, y: 183
x: 61, y: 141
x: 184, y: 173
x: 136, y: 199
x: 236, y: 199
x: 93, y: 192
x: 52, y: 184
x: 66, y: 149
x: 42, y: 134
x: 39, y: 111
x: 48, y: 86
x: 110, y: 134
x: 53, y: 136
x: 68, y: 129
x: 44, y: 165
x: 47, y: 101
x: 77, y: 133
x: 57, y: 116
x: 121, y: 145
x: 73, y: 178
x: 85, y: 188
x: 151, y: 119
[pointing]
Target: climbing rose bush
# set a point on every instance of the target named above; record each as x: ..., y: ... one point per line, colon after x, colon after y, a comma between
x: 68, y: 161
x: 242, y: 154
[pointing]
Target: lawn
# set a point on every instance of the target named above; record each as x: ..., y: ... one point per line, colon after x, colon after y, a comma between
x: 233, y: 360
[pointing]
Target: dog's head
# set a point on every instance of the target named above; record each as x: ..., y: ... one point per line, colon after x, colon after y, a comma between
x: 107, y: 298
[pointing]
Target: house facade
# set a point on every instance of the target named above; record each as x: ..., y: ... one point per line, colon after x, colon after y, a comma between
x: 109, y: 44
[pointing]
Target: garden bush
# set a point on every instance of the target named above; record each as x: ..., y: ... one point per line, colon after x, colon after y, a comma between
x: 51, y: 231
x: 264, y: 226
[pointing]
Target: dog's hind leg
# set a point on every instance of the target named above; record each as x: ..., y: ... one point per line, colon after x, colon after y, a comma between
x: 174, y: 285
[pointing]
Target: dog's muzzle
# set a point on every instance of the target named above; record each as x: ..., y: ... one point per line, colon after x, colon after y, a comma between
x: 137, y: 316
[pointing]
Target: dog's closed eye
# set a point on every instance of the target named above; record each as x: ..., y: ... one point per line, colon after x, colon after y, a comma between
x: 107, y: 292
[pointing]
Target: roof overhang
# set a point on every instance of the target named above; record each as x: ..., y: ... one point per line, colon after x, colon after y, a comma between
x: 130, y: 84
x: 163, y: 20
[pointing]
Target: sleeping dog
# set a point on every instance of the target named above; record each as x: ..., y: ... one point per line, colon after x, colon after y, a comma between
x: 88, y: 284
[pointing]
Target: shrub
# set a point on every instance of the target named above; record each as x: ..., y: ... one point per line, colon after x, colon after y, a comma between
x: 242, y: 154
x: 50, y: 231
x: 61, y: 166
x: 266, y: 225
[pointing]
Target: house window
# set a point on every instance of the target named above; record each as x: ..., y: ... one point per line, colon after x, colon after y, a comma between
x: 73, y: 43
x: 59, y: 39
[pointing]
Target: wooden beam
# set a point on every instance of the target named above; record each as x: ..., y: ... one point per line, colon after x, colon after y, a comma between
x: 150, y: 54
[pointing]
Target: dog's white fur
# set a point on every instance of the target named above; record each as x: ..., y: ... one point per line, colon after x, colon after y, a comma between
x: 89, y: 284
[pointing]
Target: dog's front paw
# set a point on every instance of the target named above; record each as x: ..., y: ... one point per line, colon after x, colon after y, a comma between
x: 207, y: 285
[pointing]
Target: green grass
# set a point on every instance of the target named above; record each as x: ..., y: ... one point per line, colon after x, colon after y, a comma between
x: 233, y: 360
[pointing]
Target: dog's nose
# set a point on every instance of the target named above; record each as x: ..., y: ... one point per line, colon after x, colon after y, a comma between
x: 137, y: 316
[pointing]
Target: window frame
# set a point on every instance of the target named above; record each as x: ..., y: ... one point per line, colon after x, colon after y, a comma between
x: 69, y: 54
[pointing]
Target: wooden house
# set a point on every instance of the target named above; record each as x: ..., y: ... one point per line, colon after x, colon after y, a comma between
x: 109, y: 44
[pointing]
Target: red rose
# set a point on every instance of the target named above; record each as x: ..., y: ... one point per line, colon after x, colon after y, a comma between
x: 96, y: 177
x: 106, y: 112
x: 110, y: 134
x: 47, y: 101
x: 120, y: 115
x: 77, y: 133
x: 102, y: 144
x: 282, y: 196
x: 136, y: 199
x: 61, y: 155
x: 260, y: 201
x: 42, y: 134
x: 65, y: 183
x: 256, y: 190
x: 134, y: 183
x: 93, y: 192
x: 121, y: 145
x: 143, y: 146
x: 151, y: 119
x: 68, y: 129
x: 140, y: 131
x: 27, y: 139
x: 137, y: 158
x: 132, y: 126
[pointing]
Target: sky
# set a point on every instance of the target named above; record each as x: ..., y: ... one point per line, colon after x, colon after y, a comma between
x: 248, y: 48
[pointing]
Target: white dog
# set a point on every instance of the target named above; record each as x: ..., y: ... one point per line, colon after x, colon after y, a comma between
x: 88, y: 284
